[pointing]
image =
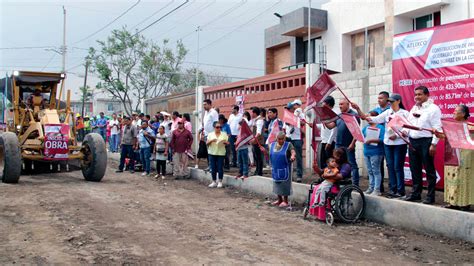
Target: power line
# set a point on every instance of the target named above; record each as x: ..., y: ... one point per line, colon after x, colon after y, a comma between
x: 108, y: 24
x: 162, y: 17
x: 51, y: 59
x: 195, y: 13
x: 26, y: 47
x: 224, y: 66
x: 154, y: 13
x: 225, y: 13
x: 242, y: 25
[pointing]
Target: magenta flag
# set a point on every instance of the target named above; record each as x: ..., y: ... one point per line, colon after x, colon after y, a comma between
x: 353, y: 126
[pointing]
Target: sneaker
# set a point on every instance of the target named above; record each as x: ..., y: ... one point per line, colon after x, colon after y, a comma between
x: 237, y: 176
x: 157, y: 176
x: 213, y: 184
x: 119, y: 171
x: 219, y: 185
x: 196, y: 166
x: 132, y: 171
x: 144, y: 174
x: 299, y: 180
x: 376, y: 193
x: 368, y: 191
x: 163, y: 177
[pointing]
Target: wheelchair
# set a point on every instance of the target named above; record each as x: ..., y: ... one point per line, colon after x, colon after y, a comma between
x: 344, y: 201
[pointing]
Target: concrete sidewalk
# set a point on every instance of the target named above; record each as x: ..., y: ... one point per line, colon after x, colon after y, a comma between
x: 411, y: 216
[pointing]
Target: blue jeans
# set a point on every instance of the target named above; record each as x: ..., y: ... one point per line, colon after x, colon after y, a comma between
x: 145, y: 158
x: 127, y: 151
x: 373, y: 168
x: 113, y: 142
x: 395, y: 155
x: 217, y: 166
x: 298, y: 145
x: 103, y: 132
x: 243, y: 161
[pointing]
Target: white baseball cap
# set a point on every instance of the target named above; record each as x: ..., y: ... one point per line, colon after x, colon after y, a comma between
x: 165, y: 113
x: 297, y: 101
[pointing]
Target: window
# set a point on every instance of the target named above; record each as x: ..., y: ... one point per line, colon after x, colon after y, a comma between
x: 316, y: 49
x: 110, y: 107
x: 427, y: 21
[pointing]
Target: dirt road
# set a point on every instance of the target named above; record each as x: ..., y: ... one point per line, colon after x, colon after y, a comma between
x: 60, y: 218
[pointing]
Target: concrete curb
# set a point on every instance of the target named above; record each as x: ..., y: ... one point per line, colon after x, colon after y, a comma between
x: 397, y: 213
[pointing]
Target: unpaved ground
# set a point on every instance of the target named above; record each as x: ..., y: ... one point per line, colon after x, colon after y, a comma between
x: 59, y: 218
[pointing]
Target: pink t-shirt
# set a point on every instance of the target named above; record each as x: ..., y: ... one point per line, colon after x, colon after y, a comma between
x: 188, y: 126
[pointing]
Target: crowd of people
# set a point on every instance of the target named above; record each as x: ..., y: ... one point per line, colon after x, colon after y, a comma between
x: 167, y: 139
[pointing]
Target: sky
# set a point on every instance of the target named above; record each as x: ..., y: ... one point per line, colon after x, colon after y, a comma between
x: 231, y: 40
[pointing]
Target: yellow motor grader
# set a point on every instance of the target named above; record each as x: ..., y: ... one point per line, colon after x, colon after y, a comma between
x: 38, y: 128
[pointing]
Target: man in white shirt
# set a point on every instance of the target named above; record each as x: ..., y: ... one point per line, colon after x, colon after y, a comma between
x: 256, y: 124
x: 424, y: 114
x: 210, y: 117
x: 328, y: 136
x: 234, y: 120
x: 296, y: 138
x: 114, y: 126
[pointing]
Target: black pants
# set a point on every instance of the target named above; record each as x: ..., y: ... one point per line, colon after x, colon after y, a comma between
x: 382, y: 172
x: 418, y: 158
x: 127, y: 151
x: 227, y: 157
x: 161, y: 167
x: 232, y: 141
x: 258, y: 156
x: 325, y: 154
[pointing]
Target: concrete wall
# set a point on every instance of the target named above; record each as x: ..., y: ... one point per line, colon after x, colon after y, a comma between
x: 363, y: 87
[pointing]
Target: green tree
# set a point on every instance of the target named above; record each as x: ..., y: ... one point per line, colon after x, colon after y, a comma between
x: 132, y: 68
x: 86, y: 93
x: 187, y: 79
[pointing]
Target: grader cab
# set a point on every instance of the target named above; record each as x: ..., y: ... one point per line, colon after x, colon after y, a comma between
x: 38, y: 128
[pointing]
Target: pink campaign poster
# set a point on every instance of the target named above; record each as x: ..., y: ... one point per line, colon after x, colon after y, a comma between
x: 442, y: 59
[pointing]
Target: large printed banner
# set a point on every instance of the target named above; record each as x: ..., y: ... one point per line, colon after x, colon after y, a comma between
x: 56, y: 137
x: 442, y: 59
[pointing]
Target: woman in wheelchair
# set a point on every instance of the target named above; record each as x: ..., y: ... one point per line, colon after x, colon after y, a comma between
x: 335, y: 196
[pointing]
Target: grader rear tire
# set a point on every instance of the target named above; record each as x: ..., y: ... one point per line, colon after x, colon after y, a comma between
x: 94, y: 162
x: 10, y: 158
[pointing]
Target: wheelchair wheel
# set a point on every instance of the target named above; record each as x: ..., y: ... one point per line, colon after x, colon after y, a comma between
x: 305, y: 212
x: 350, y: 204
x: 329, y: 218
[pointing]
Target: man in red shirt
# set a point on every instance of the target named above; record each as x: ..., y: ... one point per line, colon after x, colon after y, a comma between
x: 181, y: 141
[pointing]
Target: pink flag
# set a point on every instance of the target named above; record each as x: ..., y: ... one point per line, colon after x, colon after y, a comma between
x: 273, y: 134
x: 320, y: 90
x: 290, y: 118
x: 458, y: 134
x: 325, y: 114
x: 353, y: 126
x: 245, y: 135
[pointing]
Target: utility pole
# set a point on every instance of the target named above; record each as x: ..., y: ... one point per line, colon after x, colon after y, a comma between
x: 84, y: 91
x: 64, y: 48
x: 197, y: 91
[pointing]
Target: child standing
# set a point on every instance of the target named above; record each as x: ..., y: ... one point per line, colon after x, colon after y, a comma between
x: 329, y: 175
x: 161, y: 151
x: 373, y: 154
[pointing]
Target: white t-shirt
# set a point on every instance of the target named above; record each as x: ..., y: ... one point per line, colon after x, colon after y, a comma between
x: 385, y: 117
x: 210, y: 117
x: 114, y: 127
x: 234, y: 121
